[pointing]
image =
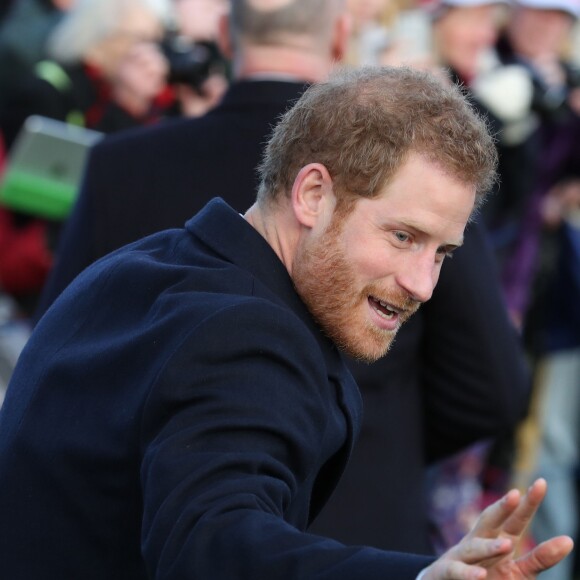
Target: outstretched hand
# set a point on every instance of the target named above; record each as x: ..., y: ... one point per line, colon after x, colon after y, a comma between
x: 488, y: 551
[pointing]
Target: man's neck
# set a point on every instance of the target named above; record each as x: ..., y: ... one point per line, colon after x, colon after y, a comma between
x: 281, y: 63
x: 278, y: 228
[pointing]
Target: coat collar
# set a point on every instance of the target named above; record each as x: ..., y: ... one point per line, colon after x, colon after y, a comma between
x: 254, y: 93
x: 244, y: 246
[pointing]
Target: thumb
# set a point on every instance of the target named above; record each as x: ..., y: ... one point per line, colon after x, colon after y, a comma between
x: 545, y: 555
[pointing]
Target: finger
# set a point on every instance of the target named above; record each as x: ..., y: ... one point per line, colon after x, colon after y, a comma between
x: 454, y: 570
x: 474, y: 550
x: 545, y: 555
x: 521, y: 517
x: 494, y: 516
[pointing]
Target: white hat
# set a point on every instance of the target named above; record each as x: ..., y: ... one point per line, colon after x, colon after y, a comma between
x: 572, y: 7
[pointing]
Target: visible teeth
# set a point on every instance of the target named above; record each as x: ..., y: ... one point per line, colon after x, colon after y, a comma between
x: 385, y: 305
x: 384, y: 315
x: 389, y: 314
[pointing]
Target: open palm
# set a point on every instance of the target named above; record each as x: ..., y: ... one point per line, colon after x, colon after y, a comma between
x: 488, y: 551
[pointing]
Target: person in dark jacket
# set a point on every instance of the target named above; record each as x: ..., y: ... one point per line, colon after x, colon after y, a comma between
x: 143, y: 181
x: 183, y: 409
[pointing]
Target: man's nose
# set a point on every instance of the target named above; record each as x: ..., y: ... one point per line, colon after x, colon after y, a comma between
x: 418, y: 278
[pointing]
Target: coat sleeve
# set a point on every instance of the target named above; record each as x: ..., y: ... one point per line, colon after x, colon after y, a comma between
x: 234, y: 434
x: 475, y: 377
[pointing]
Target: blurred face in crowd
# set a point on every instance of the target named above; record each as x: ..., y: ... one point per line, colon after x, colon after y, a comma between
x: 365, y: 11
x: 131, y: 60
x: 363, y: 274
x: 137, y: 25
x: 198, y: 20
x: 534, y: 33
x: 464, y: 34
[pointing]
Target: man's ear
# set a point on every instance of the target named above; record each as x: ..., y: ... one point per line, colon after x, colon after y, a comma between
x: 313, y: 195
x: 341, y: 37
x: 224, y: 38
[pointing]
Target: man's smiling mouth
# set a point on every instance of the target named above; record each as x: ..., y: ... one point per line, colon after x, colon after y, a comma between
x: 384, y: 309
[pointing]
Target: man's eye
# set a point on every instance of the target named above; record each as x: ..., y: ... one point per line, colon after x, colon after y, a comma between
x: 402, y: 236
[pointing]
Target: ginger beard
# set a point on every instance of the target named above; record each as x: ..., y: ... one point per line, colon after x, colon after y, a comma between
x: 327, y: 283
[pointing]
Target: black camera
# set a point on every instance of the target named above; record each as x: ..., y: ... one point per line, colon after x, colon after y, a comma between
x: 191, y: 63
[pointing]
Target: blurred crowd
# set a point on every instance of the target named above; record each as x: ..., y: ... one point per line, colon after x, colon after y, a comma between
x: 110, y: 66
x: 117, y: 65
